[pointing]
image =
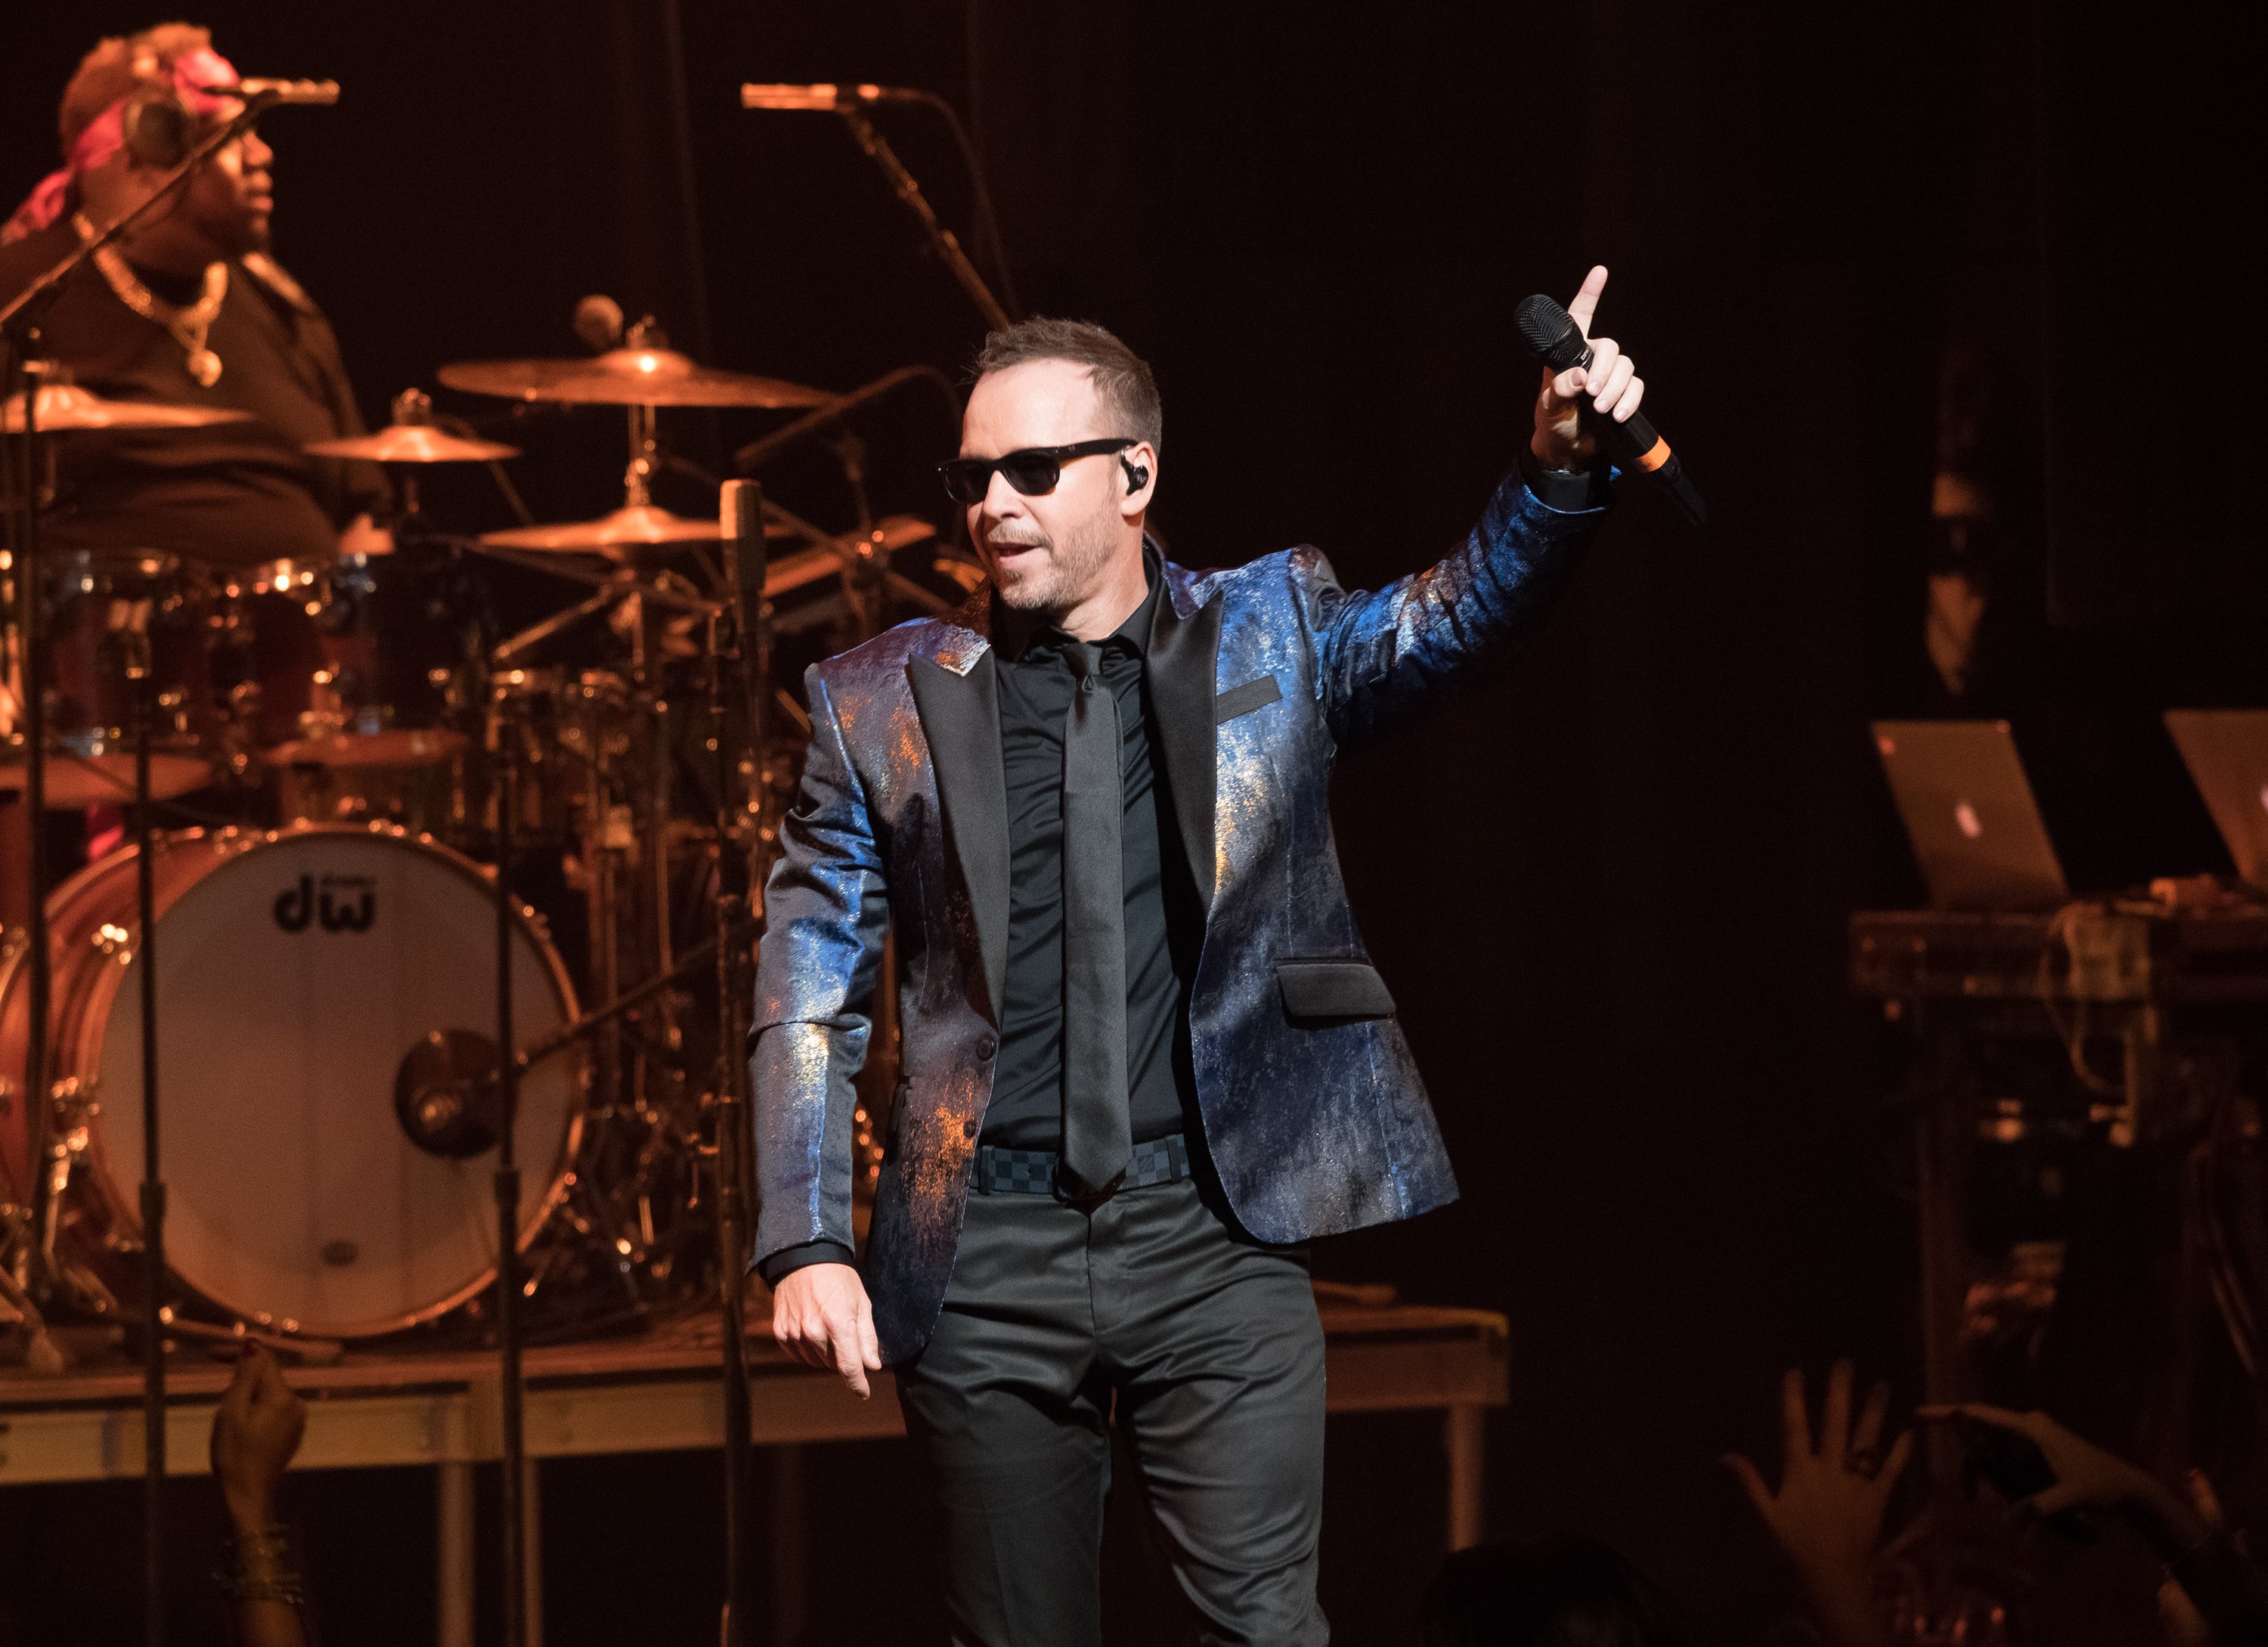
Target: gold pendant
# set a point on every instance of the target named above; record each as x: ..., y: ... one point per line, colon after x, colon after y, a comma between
x: 204, y: 367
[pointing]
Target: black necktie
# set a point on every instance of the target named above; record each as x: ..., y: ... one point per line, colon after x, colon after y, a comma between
x: 1097, y: 1121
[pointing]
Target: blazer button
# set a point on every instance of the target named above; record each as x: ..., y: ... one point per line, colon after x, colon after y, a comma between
x: 987, y: 1047
x: 968, y: 1128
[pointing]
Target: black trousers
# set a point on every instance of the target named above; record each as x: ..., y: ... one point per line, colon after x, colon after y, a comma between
x: 1205, y: 1349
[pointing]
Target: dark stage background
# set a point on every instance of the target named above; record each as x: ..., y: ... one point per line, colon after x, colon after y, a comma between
x: 1610, y: 890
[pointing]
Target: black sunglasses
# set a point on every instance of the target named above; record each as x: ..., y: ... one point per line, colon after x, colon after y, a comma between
x: 1033, y: 471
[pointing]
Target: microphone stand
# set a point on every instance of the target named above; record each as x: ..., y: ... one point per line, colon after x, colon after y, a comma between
x: 20, y: 319
x: 743, y: 517
x: 756, y: 453
x: 941, y: 238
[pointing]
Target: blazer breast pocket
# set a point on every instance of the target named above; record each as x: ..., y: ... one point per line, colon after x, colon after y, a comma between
x: 1252, y: 694
x: 1330, y: 991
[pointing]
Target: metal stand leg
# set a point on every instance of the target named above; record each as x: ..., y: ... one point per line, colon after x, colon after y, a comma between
x: 1464, y: 1432
x: 457, y: 1539
x: 143, y: 688
x: 507, y: 1200
x: 788, y: 1610
x: 531, y: 1548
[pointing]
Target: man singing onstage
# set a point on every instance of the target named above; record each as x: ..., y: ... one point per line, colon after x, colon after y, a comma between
x: 1146, y: 1057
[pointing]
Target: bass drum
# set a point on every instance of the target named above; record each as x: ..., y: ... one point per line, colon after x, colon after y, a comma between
x: 325, y: 1004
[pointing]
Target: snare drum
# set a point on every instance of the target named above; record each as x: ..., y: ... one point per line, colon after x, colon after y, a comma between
x: 327, y: 1007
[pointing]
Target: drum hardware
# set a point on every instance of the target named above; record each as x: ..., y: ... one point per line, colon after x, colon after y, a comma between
x: 731, y: 648
x: 288, y: 1006
x: 106, y: 609
x: 638, y: 376
x: 63, y: 406
x: 414, y: 439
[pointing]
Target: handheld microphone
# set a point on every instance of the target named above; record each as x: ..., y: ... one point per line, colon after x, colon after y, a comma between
x: 825, y: 96
x: 274, y: 91
x: 1553, y: 338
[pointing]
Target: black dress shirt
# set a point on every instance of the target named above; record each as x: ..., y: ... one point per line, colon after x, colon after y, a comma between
x: 1037, y: 680
x: 1165, y: 924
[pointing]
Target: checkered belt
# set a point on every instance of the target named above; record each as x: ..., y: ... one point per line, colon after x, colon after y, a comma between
x: 997, y: 1172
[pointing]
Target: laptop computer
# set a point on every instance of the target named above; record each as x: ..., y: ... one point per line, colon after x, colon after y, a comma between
x: 2226, y: 753
x: 1970, y: 813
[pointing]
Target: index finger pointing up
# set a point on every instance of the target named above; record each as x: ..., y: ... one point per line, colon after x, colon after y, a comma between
x: 1587, y: 301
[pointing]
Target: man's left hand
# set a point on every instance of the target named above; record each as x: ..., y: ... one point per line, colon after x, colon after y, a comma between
x: 1609, y: 386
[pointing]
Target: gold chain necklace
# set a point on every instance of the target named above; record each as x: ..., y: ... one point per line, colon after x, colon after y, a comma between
x: 187, y: 325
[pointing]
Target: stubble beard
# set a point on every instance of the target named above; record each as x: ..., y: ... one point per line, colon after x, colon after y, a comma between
x: 1073, y: 567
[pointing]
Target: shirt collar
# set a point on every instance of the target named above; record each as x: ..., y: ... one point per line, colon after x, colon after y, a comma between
x: 1017, y: 635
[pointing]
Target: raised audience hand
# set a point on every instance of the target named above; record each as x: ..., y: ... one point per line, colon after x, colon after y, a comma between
x: 2087, y: 1477
x: 2216, y: 1594
x: 254, y: 1434
x: 1827, y: 1515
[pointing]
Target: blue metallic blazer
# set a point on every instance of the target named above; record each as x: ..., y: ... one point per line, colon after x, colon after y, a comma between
x: 1313, y: 1113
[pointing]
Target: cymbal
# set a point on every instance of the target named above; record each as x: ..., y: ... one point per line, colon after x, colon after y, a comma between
x: 627, y: 377
x: 62, y: 406
x: 88, y: 772
x: 412, y: 442
x: 624, y: 529
x: 402, y: 748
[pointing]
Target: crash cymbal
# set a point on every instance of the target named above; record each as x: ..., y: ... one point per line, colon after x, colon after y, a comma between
x: 412, y: 442
x: 63, y: 406
x: 627, y: 377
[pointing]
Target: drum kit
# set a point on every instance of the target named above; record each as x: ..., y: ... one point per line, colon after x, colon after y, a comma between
x: 365, y: 756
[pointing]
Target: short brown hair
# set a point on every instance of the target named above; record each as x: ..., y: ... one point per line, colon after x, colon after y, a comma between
x: 1121, y: 377
x: 117, y: 67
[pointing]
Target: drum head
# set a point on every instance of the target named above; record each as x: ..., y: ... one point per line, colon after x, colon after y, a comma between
x: 295, y: 983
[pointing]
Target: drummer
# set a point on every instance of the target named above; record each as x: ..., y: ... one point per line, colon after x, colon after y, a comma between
x: 189, y: 308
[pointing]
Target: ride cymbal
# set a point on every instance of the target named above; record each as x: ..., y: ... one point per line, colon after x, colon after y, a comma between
x: 628, y: 377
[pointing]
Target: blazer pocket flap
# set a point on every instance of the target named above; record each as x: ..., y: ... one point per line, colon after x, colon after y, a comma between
x: 1252, y: 694
x: 1333, y: 989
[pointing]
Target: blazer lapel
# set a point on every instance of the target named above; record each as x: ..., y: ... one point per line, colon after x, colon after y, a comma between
x: 1184, y: 660
x: 958, y: 699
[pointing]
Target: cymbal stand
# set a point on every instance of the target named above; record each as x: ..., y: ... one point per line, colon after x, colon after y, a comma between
x: 743, y: 556
x: 31, y: 665
x: 505, y: 780
x: 133, y: 640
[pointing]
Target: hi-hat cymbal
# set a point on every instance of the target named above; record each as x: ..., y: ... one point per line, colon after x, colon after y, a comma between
x: 623, y: 530
x: 62, y: 406
x: 627, y: 377
x: 412, y: 442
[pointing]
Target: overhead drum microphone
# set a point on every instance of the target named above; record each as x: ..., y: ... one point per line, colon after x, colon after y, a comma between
x: 598, y: 323
x: 1553, y: 338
